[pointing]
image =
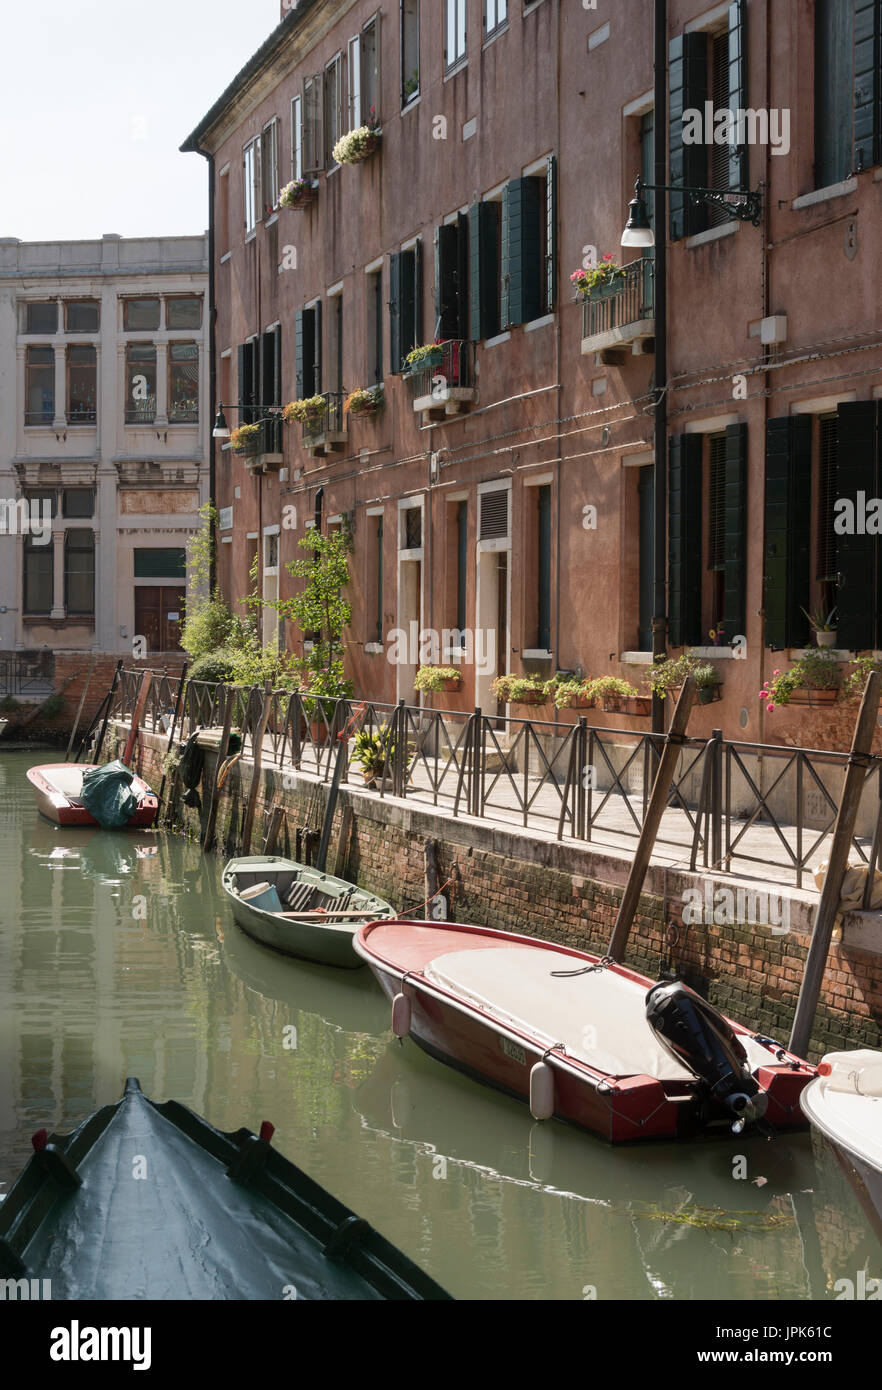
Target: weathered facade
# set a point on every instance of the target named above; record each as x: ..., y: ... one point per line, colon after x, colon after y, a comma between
x: 104, y: 399
x: 512, y: 479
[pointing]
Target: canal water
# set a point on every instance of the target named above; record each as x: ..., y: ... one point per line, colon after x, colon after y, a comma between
x: 118, y: 958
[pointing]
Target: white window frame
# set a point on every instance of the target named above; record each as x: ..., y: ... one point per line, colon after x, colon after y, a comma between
x: 370, y: 24
x: 455, y: 25
x: 495, y: 16
x: 297, y: 137
x: 251, y: 184
x: 336, y: 65
x: 353, y: 60
x: 269, y: 166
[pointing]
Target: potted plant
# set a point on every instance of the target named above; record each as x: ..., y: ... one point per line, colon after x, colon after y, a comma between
x: 823, y: 628
x: 412, y: 85
x: 306, y: 411
x: 668, y: 675
x: 299, y: 193
x: 520, y: 690
x: 367, y: 401
x: 601, y: 278
x: 612, y: 692
x: 355, y: 146
x: 814, y: 680
x: 373, y: 751
x: 572, y: 694
x: 426, y: 355
x: 854, y: 685
x: 433, y: 679
x: 246, y: 439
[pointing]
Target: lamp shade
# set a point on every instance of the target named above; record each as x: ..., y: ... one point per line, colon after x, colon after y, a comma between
x: 638, y: 231
x: 221, y: 430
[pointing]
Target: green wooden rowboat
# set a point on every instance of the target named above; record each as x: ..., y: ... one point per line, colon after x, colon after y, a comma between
x: 300, y: 911
x: 147, y: 1201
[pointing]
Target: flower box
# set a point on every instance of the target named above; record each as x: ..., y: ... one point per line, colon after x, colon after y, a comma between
x: 640, y: 706
x: 577, y: 702
x: 531, y: 697
x: 809, y: 695
x: 300, y: 193
x: 357, y: 145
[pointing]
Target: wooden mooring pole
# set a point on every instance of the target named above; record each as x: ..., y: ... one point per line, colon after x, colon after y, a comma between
x: 229, y: 702
x: 257, y: 767
x: 843, y: 834
x: 657, y: 802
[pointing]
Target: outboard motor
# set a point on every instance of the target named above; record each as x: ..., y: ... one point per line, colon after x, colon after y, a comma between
x: 698, y: 1037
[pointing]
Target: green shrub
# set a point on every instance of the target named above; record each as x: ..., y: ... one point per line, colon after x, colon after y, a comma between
x: 214, y: 667
x: 207, y: 627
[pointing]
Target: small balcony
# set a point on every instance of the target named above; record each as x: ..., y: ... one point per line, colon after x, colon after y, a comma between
x: 621, y: 315
x: 323, y: 434
x: 263, y: 452
x: 444, y: 383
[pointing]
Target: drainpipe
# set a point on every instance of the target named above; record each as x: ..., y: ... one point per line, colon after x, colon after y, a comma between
x: 212, y: 362
x: 559, y: 379
x: 660, y: 476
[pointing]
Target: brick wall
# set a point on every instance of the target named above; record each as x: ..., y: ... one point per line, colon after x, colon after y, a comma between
x: 518, y: 884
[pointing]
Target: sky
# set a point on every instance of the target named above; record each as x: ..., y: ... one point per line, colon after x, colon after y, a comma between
x: 98, y: 95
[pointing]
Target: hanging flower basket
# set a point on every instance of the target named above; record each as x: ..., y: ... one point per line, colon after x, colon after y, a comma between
x: 246, y: 439
x: 297, y: 194
x: 357, y: 145
x: 306, y: 411
x: 366, y: 402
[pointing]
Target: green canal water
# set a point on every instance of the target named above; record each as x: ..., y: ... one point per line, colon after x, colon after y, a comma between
x: 118, y: 958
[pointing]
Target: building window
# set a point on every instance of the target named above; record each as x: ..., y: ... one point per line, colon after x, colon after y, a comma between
x: 42, y: 317
x: 353, y: 109
x: 79, y: 572
x: 452, y: 279
x: 82, y: 378
x: 40, y: 386
x: 707, y: 535
x: 495, y: 15
x: 537, y: 570
x: 140, y: 315
x: 410, y: 50
x: 183, y: 383
x: 834, y: 69
x: 412, y: 531
x: 375, y: 327
x: 184, y: 311
x: 405, y: 304
x: 333, y: 108
x: 161, y: 563
x: 716, y: 532
x: 82, y: 316
x: 313, y: 123
x: 38, y: 566
x: 78, y: 502
x: 527, y: 284
x: 335, y: 343
x: 827, y: 493
x: 457, y: 571
x: 370, y: 68
x: 297, y: 138
x: 251, y: 184
x: 269, y: 167
x: 374, y: 586
x: 454, y: 31
x: 140, y: 405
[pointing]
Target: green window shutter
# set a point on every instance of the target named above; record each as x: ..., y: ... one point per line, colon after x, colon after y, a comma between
x: 276, y: 397
x: 317, y: 349
x: 484, y: 271
x: 170, y: 563
x: 788, y: 530
x: 241, y: 384
x: 858, y: 471
x: 417, y: 270
x: 447, y: 281
x: 688, y: 79
x: 739, y: 159
x: 684, y: 540
x: 521, y: 277
x: 735, y: 533
x: 306, y: 327
x: 550, y: 233
x: 544, y: 558
x: 395, y: 353
x: 299, y: 329
x: 248, y: 379
x: 867, y: 83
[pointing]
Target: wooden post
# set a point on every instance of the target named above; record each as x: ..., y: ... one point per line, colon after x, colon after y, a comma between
x: 657, y: 802
x: 431, y: 875
x: 208, y: 838
x: 174, y: 724
x: 843, y: 834
x: 137, y: 716
x: 347, y: 818
x: 257, y: 760
x: 277, y: 816
x: 325, y: 842
x: 73, y: 732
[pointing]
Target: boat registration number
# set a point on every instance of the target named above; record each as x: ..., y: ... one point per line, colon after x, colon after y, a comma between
x: 517, y: 1054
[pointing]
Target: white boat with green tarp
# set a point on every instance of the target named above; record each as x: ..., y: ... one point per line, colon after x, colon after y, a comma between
x: 223, y: 1216
x: 300, y: 910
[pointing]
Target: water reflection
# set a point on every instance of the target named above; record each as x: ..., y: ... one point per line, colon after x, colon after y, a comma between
x: 118, y: 957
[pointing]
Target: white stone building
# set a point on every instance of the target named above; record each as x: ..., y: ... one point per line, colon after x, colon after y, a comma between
x: 104, y: 426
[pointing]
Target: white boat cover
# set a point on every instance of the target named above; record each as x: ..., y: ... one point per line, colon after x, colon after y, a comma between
x: 67, y: 779
x: 599, y: 1017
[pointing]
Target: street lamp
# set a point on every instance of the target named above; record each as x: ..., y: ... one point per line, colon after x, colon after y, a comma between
x: 740, y: 204
x: 221, y: 428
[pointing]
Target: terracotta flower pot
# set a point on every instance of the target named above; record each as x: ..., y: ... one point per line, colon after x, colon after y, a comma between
x: 451, y: 683
x: 578, y: 702
x: 808, y: 695
x: 612, y: 704
x: 638, y: 705
x: 532, y: 697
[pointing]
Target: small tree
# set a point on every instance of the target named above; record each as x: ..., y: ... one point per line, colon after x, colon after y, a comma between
x: 320, y: 610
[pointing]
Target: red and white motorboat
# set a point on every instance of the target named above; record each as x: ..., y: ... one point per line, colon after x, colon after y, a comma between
x: 581, y: 1039
x: 58, y: 787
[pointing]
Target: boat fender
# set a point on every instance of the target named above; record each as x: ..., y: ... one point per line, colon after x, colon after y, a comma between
x: 54, y: 1162
x: 402, y: 1013
x: 542, y: 1091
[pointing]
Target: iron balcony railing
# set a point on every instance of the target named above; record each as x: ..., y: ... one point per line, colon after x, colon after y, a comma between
x: 628, y: 299
x: 329, y: 422
x: 731, y: 802
x: 448, y: 366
